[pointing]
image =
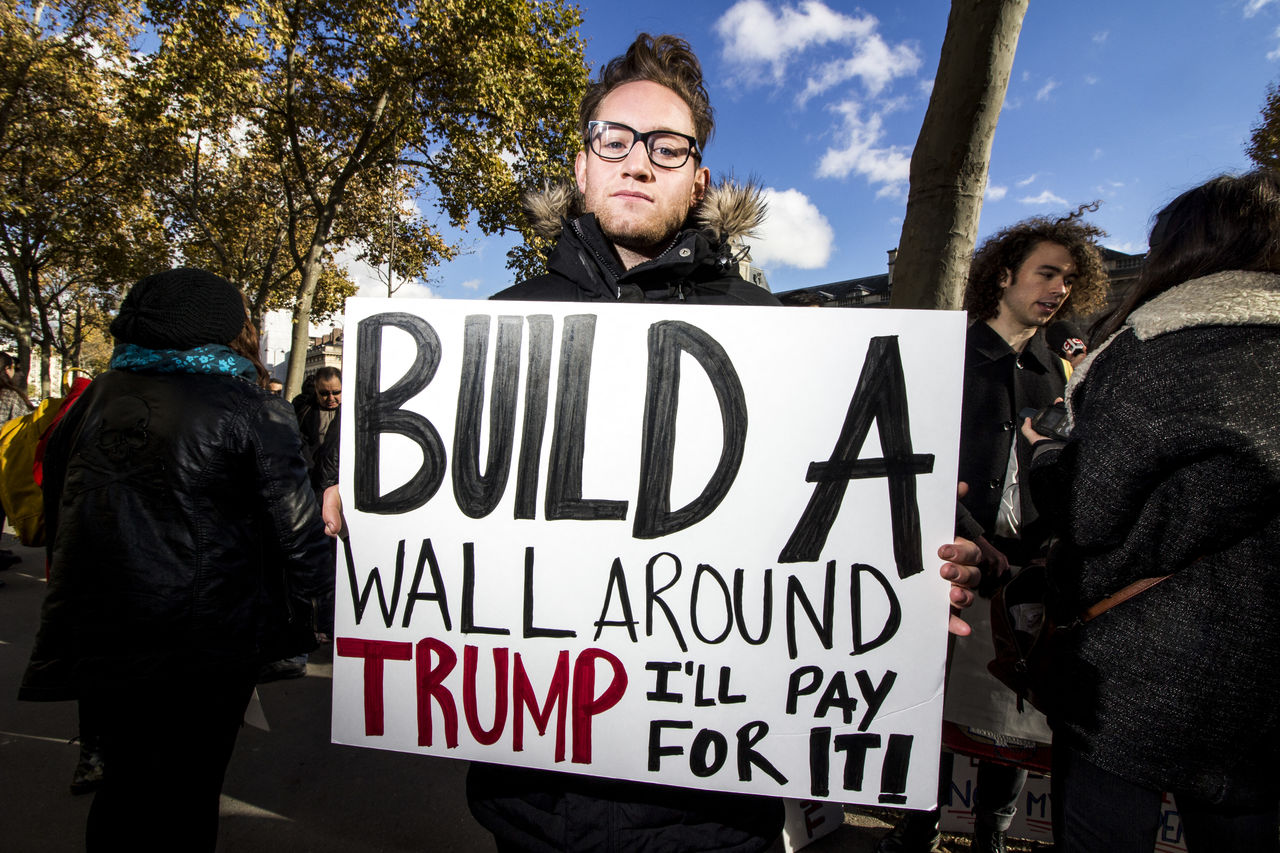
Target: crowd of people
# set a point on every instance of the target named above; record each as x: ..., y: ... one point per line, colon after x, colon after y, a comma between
x: 187, y: 505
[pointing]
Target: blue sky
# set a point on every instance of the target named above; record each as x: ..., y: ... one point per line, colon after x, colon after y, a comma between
x: 1121, y: 101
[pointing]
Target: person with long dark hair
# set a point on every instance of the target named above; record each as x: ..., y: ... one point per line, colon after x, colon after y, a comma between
x: 1165, y: 497
x: 186, y: 549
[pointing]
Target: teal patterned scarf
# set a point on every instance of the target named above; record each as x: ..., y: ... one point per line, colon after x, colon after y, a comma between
x: 212, y: 359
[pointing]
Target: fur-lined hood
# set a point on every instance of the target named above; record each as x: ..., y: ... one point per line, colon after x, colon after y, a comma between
x: 1232, y: 298
x: 728, y: 210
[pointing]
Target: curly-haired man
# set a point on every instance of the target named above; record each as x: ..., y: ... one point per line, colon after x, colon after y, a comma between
x: 1020, y: 279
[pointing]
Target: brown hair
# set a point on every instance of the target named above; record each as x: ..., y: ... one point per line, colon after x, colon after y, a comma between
x: 1227, y: 223
x: 1008, y: 249
x: 666, y: 60
x: 246, y: 344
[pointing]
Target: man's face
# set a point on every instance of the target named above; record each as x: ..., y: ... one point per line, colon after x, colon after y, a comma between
x: 1032, y: 295
x: 640, y: 206
x: 329, y: 392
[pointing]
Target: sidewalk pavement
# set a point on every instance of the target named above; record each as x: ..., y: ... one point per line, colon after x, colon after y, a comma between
x: 288, y: 790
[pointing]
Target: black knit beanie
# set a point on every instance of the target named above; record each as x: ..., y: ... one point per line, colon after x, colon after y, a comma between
x: 181, y: 309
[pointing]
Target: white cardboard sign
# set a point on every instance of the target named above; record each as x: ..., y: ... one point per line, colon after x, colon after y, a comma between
x: 681, y: 544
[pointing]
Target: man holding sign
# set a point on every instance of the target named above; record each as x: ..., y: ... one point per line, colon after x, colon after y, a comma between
x: 645, y: 226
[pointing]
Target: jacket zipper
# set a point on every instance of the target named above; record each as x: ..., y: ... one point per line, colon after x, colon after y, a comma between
x: 606, y: 265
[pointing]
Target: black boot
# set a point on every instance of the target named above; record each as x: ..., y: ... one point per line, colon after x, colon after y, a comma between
x: 988, y: 840
x: 917, y: 832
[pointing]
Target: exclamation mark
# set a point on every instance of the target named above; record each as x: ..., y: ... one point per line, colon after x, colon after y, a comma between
x: 820, y: 762
x: 893, y: 774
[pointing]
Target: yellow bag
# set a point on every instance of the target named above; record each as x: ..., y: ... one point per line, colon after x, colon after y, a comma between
x: 22, y: 499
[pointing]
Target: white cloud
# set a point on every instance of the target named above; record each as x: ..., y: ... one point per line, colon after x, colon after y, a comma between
x: 1253, y: 7
x: 368, y: 280
x: 1275, y: 54
x: 1046, y: 89
x: 926, y: 87
x: 862, y: 155
x: 753, y: 34
x: 1091, y: 79
x: 1046, y: 197
x: 794, y: 234
x: 757, y: 39
x: 373, y: 282
x: 1029, y: 180
x: 995, y: 193
x: 1100, y: 38
x: 471, y: 284
x: 410, y: 290
x: 873, y: 62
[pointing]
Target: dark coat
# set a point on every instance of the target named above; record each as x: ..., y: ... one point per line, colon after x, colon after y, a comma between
x: 998, y: 384
x: 550, y: 812
x: 183, y: 536
x: 697, y: 268
x: 320, y: 453
x: 1174, y: 467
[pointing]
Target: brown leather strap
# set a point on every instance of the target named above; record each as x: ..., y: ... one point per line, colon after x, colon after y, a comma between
x: 1120, y: 597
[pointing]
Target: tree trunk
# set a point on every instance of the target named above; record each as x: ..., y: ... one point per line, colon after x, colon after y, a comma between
x: 46, y: 370
x: 950, y: 160
x: 301, y: 338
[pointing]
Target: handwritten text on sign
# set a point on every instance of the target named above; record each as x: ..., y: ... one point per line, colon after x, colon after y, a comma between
x: 679, y: 544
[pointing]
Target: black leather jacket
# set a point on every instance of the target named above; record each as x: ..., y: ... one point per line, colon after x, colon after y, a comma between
x: 183, y: 535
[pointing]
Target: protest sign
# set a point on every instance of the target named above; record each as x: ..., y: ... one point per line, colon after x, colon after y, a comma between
x: 680, y: 544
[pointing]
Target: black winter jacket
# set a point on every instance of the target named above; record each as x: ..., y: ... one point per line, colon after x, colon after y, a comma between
x: 184, y: 537
x: 1174, y: 467
x: 320, y: 454
x: 698, y: 267
x: 550, y: 812
x: 998, y: 384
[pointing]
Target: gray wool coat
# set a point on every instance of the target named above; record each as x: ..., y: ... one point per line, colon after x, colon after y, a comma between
x: 1174, y: 468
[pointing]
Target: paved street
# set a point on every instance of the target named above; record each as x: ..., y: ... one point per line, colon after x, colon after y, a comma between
x: 288, y: 790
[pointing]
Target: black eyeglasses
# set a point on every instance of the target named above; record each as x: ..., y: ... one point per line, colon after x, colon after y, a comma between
x: 666, y: 148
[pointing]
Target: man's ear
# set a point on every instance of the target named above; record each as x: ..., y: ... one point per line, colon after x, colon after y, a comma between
x: 701, y: 180
x: 1006, y: 278
x: 580, y: 171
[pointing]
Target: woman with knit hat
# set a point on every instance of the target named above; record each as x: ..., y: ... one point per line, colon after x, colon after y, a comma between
x: 185, y: 550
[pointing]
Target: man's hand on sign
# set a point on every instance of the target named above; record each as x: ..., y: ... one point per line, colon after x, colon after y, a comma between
x: 962, y: 570
x: 331, y: 512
